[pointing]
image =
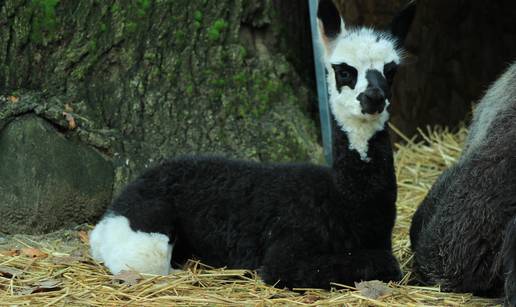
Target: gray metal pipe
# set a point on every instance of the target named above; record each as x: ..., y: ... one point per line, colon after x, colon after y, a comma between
x: 322, y: 90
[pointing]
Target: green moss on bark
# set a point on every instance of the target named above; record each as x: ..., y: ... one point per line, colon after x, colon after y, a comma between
x: 168, y: 77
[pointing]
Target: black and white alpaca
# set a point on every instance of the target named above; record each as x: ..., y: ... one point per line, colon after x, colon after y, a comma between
x: 300, y: 224
x: 459, y: 231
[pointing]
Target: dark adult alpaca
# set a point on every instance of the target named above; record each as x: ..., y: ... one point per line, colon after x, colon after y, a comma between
x: 300, y: 224
x: 462, y: 234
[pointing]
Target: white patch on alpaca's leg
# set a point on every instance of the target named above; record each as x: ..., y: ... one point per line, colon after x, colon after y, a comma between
x: 120, y: 248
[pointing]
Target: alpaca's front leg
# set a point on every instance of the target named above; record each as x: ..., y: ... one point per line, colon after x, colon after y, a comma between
x: 308, y: 268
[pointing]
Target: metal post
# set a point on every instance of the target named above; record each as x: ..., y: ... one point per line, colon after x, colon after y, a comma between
x: 322, y: 90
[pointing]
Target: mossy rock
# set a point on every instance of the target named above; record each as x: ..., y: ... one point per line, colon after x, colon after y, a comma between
x: 48, y: 181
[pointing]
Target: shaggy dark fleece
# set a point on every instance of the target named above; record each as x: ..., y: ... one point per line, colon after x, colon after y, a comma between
x: 458, y: 231
x: 300, y: 224
x: 509, y: 263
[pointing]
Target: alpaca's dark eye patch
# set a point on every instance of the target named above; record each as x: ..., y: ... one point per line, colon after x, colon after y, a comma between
x: 345, y: 75
x: 389, y: 71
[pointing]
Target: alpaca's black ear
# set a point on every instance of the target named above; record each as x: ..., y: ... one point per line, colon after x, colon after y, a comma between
x: 400, y: 24
x: 331, y: 24
x: 329, y: 16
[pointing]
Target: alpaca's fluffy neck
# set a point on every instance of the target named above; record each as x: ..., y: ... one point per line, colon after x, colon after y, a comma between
x: 353, y: 174
x: 366, y: 189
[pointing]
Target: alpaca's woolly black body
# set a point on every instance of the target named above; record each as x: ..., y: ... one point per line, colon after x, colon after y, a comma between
x: 302, y: 224
x: 458, y: 231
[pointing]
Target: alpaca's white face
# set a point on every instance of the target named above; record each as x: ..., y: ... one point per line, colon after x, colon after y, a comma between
x: 361, y: 68
x: 361, y: 65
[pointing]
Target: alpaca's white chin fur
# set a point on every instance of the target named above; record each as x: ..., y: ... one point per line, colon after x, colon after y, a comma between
x: 113, y: 242
x: 369, y: 117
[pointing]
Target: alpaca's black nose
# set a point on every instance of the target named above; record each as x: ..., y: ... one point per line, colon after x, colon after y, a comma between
x: 372, y: 100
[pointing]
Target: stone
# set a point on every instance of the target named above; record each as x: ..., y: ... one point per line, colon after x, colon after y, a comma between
x: 49, y: 181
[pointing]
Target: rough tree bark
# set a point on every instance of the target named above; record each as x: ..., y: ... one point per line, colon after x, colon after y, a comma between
x: 142, y: 80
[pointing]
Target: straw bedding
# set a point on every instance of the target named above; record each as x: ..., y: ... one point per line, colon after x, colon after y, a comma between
x: 56, y: 269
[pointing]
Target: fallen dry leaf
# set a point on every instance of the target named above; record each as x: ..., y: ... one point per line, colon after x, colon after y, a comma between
x: 10, y: 253
x: 71, y: 120
x: 310, y: 299
x: 373, y: 289
x: 130, y: 278
x: 9, y: 272
x: 42, y: 286
x: 84, y: 237
x: 33, y: 252
x: 48, y: 283
x: 13, y: 99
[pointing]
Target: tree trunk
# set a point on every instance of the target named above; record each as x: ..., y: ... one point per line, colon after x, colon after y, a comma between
x: 146, y: 80
x: 457, y: 49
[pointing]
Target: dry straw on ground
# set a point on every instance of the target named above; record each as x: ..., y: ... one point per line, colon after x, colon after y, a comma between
x: 56, y: 270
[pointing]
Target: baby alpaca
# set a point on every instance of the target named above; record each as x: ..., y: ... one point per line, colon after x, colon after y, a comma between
x: 300, y: 225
